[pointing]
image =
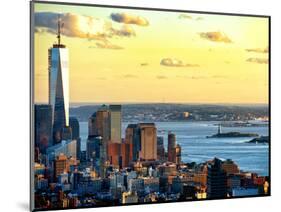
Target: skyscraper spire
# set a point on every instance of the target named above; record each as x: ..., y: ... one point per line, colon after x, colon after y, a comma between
x: 59, y: 25
x: 59, y: 88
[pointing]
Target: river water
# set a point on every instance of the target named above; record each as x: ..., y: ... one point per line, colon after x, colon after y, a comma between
x: 196, y: 147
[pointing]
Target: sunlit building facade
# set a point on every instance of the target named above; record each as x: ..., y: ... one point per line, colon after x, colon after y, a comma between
x: 98, y: 123
x: 148, y: 141
x: 115, y: 123
x: 59, y: 88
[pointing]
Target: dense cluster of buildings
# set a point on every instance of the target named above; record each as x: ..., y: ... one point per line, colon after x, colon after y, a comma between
x: 115, y: 170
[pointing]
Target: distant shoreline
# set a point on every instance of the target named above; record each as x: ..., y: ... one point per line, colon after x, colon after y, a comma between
x: 82, y: 104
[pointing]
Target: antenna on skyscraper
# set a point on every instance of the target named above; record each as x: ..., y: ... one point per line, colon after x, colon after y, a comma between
x: 58, y: 35
x: 59, y: 29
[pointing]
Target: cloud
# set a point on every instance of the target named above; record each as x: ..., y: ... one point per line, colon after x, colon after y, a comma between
x: 258, y: 50
x: 106, y: 45
x: 258, y: 60
x: 186, y: 16
x: 79, y: 26
x: 172, y: 62
x: 124, y: 31
x: 199, y: 19
x: 192, y: 77
x: 144, y: 64
x: 73, y: 25
x: 161, y: 77
x: 130, y: 76
x: 129, y: 19
x: 219, y: 77
x: 215, y: 37
x: 202, y: 77
x: 197, y: 77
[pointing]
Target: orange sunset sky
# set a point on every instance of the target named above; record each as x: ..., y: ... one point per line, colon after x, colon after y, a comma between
x: 125, y: 55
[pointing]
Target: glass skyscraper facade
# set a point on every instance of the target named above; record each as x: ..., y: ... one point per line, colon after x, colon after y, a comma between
x: 115, y: 123
x: 43, y: 127
x: 59, y: 88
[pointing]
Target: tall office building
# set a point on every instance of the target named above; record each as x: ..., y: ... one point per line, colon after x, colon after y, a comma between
x: 96, y: 152
x: 103, y: 157
x: 75, y: 127
x: 125, y: 151
x: 99, y: 123
x: 133, y: 138
x: 160, y: 148
x: 143, y: 140
x: 148, y: 141
x: 119, y: 154
x: 43, y: 127
x: 177, y: 154
x: 171, y: 146
x: 114, y: 150
x: 98, y: 126
x: 59, y: 86
x: 93, y: 148
x: 115, y: 123
x: 216, y: 180
x: 66, y: 133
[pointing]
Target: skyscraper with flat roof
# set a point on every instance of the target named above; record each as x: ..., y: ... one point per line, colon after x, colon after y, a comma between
x: 160, y: 148
x: 115, y: 123
x: 171, y: 146
x: 75, y: 127
x: 132, y: 137
x: 114, y: 156
x: 99, y: 123
x: 148, y: 141
x: 43, y: 127
x: 59, y: 86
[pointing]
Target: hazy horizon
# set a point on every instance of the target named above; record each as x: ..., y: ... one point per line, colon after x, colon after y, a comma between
x: 129, y: 55
x: 73, y: 104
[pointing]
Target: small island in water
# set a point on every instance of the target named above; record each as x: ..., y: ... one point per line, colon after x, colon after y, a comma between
x: 259, y: 140
x: 231, y: 134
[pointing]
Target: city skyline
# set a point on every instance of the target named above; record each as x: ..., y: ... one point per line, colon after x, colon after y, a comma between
x: 201, y: 61
x: 118, y: 154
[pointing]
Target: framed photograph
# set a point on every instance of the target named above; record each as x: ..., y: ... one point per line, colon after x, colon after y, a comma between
x: 146, y: 105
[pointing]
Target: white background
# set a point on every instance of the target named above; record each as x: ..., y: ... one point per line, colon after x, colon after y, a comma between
x: 14, y: 89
